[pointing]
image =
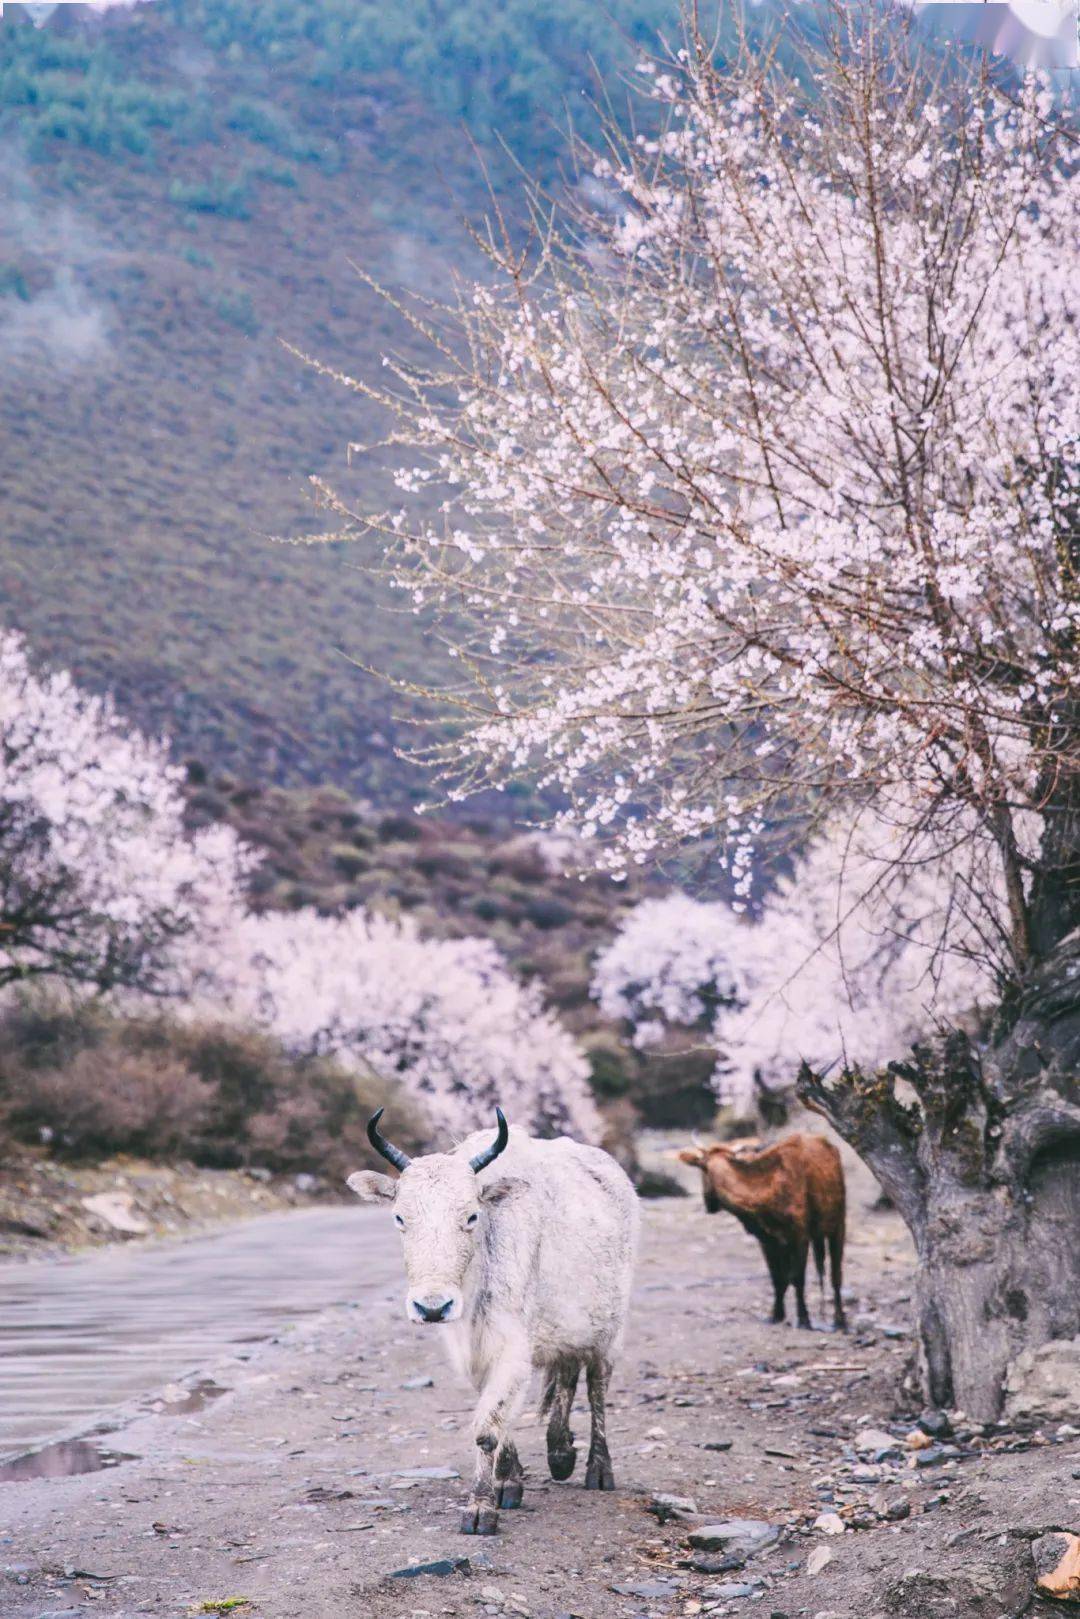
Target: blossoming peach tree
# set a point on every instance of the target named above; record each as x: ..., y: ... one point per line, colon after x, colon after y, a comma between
x: 103, y: 891
x: 446, y: 1017
x: 843, y: 962
x: 747, y: 495
x: 100, y: 888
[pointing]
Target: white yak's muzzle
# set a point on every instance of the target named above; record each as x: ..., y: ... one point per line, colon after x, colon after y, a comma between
x: 434, y: 1308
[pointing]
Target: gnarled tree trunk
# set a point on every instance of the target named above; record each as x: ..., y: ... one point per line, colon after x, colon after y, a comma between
x: 979, y: 1148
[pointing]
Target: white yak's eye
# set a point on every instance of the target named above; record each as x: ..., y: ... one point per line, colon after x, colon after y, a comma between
x: 399, y: 1222
x: 473, y: 1217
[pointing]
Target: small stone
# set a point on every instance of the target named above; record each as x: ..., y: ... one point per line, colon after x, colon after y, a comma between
x: 426, y: 1472
x: 862, y: 1519
x: 897, y: 1511
x: 717, y: 1444
x: 917, y: 1440
x: 419, y: 1383
x: 871, y: 1439
x: 818, y: 1559
x: 1057, y: 1564
x: 710, y: 1563
x: 666, y: 1508
x: 932, y: 1456
x: 829, y: 1523
x: 935, y: 1423
x: 888, y: 1330
x: 865, y: 1475
x: 646, y: 1588
x: 442, y: 1566
x: 491, y: 1593
x: 731, y: 1589
x: 739, y: 1535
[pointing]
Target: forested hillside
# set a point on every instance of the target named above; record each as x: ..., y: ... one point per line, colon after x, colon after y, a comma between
x: 185, y: 186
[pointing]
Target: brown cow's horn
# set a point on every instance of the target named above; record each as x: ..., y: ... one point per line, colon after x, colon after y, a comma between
x: 489, y: 1154
x: 386, y: 1149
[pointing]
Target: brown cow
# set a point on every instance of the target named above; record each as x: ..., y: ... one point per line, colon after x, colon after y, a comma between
x: 791, y: 1198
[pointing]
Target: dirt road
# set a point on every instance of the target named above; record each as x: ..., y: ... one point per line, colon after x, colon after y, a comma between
x: 331, y: 1463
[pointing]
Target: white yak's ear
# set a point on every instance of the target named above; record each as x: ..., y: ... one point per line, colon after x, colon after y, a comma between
x: 502, y: 1191
x: 371, y: 1187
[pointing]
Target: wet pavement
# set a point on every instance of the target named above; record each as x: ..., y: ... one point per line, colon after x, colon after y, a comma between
x: 82, y: 1338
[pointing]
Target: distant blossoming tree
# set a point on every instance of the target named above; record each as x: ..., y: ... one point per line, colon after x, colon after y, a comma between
x: 102, y: 890
x: 845, y: 963
x: 757, y: 498
x: 444, y: 1016
x: 100, y: 886
x: 674, y: 961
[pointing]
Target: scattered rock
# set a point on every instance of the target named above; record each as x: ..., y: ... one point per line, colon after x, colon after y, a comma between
x: 117, y: 1209
x: 1043, y: 1385
x: 710, y: 1563
x: 739, y: 1535
x: 419, y: 1383
x: 868, y: 1440
x: 829, y: 1523
x: 730, y: 1589
x: 863, y: 1519
x: 672, y: 1507
x: 935, y: 1423
x: 426, y: 1472
x: 646, y: 1588
x: 441, y: 1566
x: 717, y: 1444
x: 1057, y: 1564
x: 818, y: 1559
x: 897, y: 1511
x: 917, y: 1440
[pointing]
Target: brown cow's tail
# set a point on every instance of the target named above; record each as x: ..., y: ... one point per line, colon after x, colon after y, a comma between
x: 818, y: 1241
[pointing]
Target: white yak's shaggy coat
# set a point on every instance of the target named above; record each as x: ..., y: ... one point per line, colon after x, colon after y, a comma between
x: 531, y: 1263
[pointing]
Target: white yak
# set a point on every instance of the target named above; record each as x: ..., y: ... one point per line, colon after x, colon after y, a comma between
x: 527, y: 1265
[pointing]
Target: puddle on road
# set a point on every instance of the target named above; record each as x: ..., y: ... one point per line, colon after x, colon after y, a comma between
x: 62, y: 1460
x: 180, y: 1401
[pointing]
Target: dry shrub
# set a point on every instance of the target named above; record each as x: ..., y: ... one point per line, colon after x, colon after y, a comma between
x: 107, y: 1099
x: 225, y: 1097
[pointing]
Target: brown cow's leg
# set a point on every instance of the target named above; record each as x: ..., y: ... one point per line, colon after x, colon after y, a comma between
x: 799, y: 1278
x: 598, y: 1473
x: 776, y: 1260
x: 509, y: 1475
x: 558, y: 1400
x: 836, y: 1256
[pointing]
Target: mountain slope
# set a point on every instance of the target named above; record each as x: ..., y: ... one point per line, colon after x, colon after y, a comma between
x: 182, y: 189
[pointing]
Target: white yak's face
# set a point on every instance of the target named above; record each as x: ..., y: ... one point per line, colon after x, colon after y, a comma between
x: 439, y: 1208
x: 437, y: 1211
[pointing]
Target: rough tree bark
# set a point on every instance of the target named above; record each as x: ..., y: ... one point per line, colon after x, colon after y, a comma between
x: 979, y: 1148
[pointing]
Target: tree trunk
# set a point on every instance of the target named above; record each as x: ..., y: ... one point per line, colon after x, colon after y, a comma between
x: 980, y: 1151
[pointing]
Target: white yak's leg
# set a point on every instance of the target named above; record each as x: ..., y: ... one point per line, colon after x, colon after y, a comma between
x: 558, y: 1400
x: 509, y: 1476
x: 598, y: 1473
x: 500, y: 1395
